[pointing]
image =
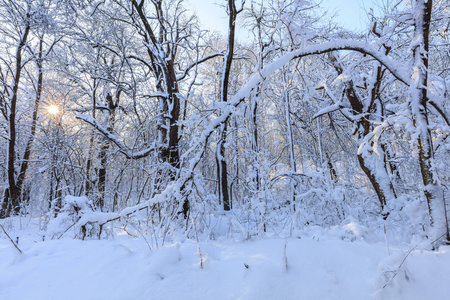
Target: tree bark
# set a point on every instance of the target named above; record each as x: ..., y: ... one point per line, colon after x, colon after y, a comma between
x: 383, y: 189
x: 13, y: 192
x: 222, y: 174
x: 418, y: 105
x: 26, y: 156
x: 174, y: 154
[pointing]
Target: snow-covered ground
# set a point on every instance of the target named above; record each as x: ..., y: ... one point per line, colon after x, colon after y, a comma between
x: 315, y: 265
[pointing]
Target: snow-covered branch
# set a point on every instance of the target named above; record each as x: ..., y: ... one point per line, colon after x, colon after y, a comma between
x: 257, y: 78
x: 328, y: 109
x: 187, y: 173
x: 129, y: 153
x: 394, y: 67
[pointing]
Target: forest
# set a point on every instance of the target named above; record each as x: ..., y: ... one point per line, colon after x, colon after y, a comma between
x: 128, y: 119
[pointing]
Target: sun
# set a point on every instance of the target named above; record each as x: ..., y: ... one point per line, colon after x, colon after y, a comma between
x: 53, y: 109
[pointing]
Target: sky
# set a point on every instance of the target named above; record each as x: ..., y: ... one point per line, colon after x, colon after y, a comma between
x: 351, y: 13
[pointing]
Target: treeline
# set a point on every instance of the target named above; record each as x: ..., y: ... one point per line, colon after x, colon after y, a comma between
x: 132, y: 104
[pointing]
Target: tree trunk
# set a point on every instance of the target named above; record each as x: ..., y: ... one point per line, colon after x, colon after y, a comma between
x: 14, y: 192
x: 174, y: 154
x: 292, y: 163
x: 222, y: 173
x: 374, y: 167
x: 418, y: 105
x: 27, y: 153
x: 88, y: 184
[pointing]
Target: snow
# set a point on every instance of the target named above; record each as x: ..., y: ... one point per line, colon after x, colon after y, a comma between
x: 334, y: 263
x: 328, y: 109
x: 129, y: 153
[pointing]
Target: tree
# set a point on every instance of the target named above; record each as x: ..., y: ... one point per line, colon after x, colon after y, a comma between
x: 418, y: 106
x: 165, y: 41
x: 29, y: 26
x: 222, y: 174
x: 10, y: 96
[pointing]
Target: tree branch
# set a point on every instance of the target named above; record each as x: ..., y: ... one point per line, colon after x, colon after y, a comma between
x: 201, y: 60
x: 129, y: 153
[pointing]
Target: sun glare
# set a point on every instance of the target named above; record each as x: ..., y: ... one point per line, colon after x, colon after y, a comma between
x: 53, y: 109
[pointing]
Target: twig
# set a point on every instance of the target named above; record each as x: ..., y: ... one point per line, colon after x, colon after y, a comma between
x: 140, y: 232
x: 15, y: 245
x: 285, y: 257
x: 399, y: 266
x: 66, y: 230
x: 440, y: 237
x: 386, y: 240
x: 404, y: 259
x: 198, y: 246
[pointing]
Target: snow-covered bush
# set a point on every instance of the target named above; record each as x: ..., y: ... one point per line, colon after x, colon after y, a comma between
x: 79, y: 216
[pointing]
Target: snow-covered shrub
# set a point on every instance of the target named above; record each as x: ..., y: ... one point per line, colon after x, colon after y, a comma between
x: 78, y: 215
x: 408, y: 219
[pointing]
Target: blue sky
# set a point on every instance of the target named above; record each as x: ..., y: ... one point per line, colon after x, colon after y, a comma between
x: 351, y: 13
